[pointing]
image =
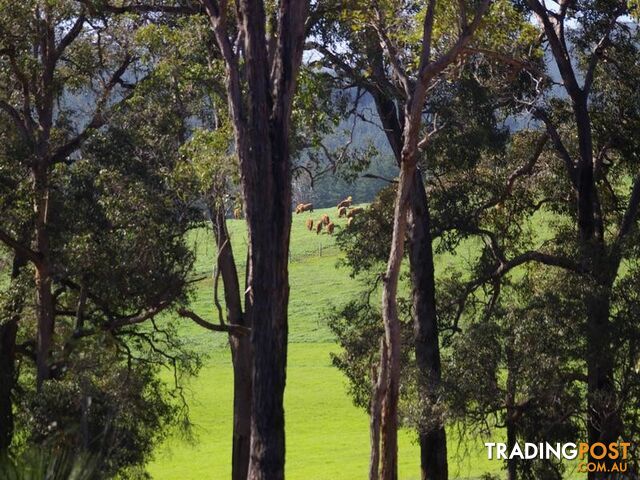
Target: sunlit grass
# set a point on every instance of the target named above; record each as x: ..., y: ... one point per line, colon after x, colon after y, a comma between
x: 327, y: 436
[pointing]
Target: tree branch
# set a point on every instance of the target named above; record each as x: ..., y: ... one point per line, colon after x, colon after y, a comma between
x: 12, y: 243
x: 230, y: 328
x: 558, y: 144
x: 186, y: 9
x: 631, y: 214
x: 98, y: 119
x: 71, y: 35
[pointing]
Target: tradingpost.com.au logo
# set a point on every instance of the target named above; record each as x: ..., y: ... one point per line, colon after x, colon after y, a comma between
x: 598, y: 457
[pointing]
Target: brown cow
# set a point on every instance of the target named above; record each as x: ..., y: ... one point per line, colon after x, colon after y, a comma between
x: 342, y: 212
x: 354, y: 211
x: 309, y: 224
x: 346, y: 202
x: 319, y: 227
x: 237, y: 213
x: 304, y: 207
x: 325, y: 219
x: 330, y: 227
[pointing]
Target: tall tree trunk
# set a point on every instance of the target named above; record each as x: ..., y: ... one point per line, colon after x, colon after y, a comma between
x: 433, y: 442
x: 603, y: 422
x: 8, y: 334
x: 267, y: 310
x: 8, y: 331
x: 261, y: 113
x: 379, y: 381
x: 510, y: 416
x: 512, y: 471
x: 43, y: 275
x: 240, y: 349
x: 389, y: 429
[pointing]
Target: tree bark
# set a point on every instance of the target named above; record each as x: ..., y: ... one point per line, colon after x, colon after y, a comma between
x: 43, y: 274
x: 389, y: 417
x: 8, y: 331
x: 379, y: 382
x: 240, y: 349
x: 512, y: 472
x: 433, y: 444
x: 510, y: 418
x: 262, y: 140
x: 8, y: 334
x: 603, y: 422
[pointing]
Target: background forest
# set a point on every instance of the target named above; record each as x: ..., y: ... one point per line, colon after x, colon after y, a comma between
x: 327, y: 239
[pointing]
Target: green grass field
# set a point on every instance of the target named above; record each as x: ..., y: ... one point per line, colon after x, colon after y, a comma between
x: 327, y: 436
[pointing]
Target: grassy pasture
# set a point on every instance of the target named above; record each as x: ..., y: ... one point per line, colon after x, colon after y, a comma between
x: 327, y: 436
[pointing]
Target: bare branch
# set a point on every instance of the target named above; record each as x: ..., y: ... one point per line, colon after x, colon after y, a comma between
x: 230, y: 328
x: 98, y: 119
x: 71, y: 35
x: 558, y: 144
x: 394, y: 57
x: 430, y: 69
x: 140, y: 318
x: 528, y: 167
x: 17, y: 119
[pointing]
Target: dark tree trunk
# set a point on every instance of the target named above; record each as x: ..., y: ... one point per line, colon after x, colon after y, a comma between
x: 266, y: 179
x: 603, y: 419
x: 260, y: 89
x: 240, y: 350
x: 268, y: 294
x: 604, y: 423
x: 8, y: 333
x: 512, y: 471
x: 433, y: 442
x: 510, y: 416
x: 43, y: 274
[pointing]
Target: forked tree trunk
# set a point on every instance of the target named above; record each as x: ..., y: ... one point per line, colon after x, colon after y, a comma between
x: 240, y: 349
x: 433, y: 443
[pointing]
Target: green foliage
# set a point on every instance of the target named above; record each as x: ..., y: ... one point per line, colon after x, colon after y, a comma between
x: 107, y: 410
x: 48, y: 465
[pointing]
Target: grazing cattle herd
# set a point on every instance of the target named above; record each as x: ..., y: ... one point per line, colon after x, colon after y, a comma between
x: 345, y: 210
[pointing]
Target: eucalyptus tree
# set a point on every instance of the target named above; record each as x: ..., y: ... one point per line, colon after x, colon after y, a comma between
x: 262, y: 52
x: 599, y: 32
x: 49, y: 53
x: 95, y: 236
x: 580, y: 171
x: 381, y: 57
